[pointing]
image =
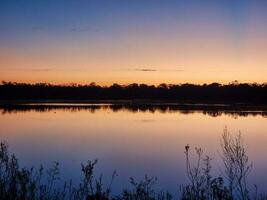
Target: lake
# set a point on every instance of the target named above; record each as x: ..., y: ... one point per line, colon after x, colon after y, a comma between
x: 134, y: 140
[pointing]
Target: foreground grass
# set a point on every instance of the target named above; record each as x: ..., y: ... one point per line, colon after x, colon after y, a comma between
x: 31, y: 184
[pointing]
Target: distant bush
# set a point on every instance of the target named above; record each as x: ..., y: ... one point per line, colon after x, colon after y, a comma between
x: 38, y: 184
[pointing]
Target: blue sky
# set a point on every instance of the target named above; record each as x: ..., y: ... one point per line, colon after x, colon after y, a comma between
x: 99, y: 36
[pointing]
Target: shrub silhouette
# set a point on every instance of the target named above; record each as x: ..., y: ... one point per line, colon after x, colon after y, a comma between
x: 39, y: 184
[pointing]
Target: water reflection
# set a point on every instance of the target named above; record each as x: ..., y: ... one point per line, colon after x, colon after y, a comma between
x: 211, y: 110
x: 133, y: 139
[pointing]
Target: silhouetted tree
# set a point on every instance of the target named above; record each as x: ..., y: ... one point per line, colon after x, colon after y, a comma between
x: 209, y: 93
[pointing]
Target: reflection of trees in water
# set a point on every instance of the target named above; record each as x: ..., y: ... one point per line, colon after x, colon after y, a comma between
x: 213, y: 111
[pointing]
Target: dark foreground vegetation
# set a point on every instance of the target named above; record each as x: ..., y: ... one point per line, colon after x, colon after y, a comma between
x: 18, y: 183
x: 215, y: 92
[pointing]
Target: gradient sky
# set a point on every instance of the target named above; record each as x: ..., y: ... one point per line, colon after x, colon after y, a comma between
x: 124, y: 41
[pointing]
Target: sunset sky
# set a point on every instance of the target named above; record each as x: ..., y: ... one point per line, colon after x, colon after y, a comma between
x: 125, y: 41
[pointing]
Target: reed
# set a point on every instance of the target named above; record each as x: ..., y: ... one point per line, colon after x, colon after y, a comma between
x: 18, y: 183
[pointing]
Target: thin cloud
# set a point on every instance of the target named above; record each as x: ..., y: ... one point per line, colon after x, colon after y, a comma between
x: 73, y: 29
x: 151, y: 70
x: 145, y: 70
x: 146, y: 120
x: 174, y: 70
x: 45, y: 70
x: 40, y: 70
x: 83, y: 29
x: 31, y: 70
x: 60, y: 70
x: 66, y: 27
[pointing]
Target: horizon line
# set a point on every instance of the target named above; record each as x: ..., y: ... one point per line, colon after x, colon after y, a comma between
x: 2, y: 82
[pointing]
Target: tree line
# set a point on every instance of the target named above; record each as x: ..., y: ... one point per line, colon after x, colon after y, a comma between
x: 233, y: 92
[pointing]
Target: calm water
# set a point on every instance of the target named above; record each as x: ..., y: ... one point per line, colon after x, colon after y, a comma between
x: 134, y: 141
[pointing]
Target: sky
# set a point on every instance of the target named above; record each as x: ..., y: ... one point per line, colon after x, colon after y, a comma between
x: 126, y: 41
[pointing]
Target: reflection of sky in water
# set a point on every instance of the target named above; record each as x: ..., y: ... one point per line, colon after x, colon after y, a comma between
x: 133, y: 143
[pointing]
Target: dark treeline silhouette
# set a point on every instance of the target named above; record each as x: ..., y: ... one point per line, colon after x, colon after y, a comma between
x: 211, y: 110
x: 208, y: 93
